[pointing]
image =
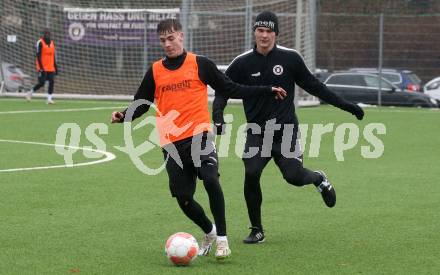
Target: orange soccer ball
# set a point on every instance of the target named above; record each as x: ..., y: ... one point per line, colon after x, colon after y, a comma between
x: 181, y: 248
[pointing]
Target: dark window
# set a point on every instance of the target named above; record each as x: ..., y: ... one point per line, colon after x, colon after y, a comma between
x: 434, y: 85
x: 373, y: 82
x: 395, y: 78
x: 349, y: 79
x: 414, y: 79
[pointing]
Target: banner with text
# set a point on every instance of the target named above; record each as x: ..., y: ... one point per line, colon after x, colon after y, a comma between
x: 114, y: 26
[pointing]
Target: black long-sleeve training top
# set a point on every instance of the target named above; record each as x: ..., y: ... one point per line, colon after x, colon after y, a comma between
x: 281, y: 67
x: 208, y: 74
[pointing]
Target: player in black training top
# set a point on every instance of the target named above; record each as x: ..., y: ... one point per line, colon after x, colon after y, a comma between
x: 270, y: 64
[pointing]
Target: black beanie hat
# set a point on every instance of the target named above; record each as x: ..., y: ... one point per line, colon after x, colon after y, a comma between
x: 267, y: 19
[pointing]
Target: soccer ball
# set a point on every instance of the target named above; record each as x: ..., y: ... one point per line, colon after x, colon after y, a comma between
x: 181, y: 248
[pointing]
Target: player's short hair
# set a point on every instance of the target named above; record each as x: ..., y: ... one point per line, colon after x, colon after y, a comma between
x: 168, y: 25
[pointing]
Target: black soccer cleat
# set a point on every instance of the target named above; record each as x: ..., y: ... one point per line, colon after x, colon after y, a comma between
x: 256, y: 236
x: 327, y: 191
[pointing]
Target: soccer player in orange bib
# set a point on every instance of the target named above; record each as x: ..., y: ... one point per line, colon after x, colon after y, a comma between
x: 46, y: 65
x: 178, y: 86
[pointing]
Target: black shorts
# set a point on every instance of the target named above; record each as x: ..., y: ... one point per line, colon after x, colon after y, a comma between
x: 182, y: 180
x: 45, y: 76
x: 284, y: 152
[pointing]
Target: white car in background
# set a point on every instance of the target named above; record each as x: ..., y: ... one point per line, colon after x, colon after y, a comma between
x: 432, y: 88
x: 13, y: 79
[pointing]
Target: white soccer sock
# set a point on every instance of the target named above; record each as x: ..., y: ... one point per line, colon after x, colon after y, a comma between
x: 49, y: 97
x: 222, y: 238
x: 213, y: 230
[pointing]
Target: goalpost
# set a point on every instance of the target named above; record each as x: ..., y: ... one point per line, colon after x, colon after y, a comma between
x: 104, y: 47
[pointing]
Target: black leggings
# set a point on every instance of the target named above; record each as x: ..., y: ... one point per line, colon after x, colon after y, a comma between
x: 42, y: 78
x: 291, y: 168
x: 183, y: 184
x: 194, y: 211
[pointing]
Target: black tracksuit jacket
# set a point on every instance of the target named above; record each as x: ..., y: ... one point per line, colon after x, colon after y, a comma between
x: 281, y: 67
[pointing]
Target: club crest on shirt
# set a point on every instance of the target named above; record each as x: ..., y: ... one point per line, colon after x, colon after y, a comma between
x: 278, y: 70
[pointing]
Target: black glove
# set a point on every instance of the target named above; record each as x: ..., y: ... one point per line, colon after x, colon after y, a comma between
x: 355, y: 110
x: 219, y: 128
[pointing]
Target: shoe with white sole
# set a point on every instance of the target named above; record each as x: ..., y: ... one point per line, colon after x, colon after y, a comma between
x: 223, y: 251
x: 29, y: 95
x: 208, y: 240
x: 256, y: 236
x: 327, y: 191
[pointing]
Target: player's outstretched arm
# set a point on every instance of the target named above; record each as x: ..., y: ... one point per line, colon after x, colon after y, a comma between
x: 145, y: 92
x: 355, y: 110
x: 307, y: 81
x: 210, y: 75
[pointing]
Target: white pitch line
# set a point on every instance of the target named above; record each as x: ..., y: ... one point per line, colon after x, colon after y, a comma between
x: 71, y: 101
x: 108, y: 156
x: 390, y: 110
x: 60, y: 110
x: 393, y: 110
